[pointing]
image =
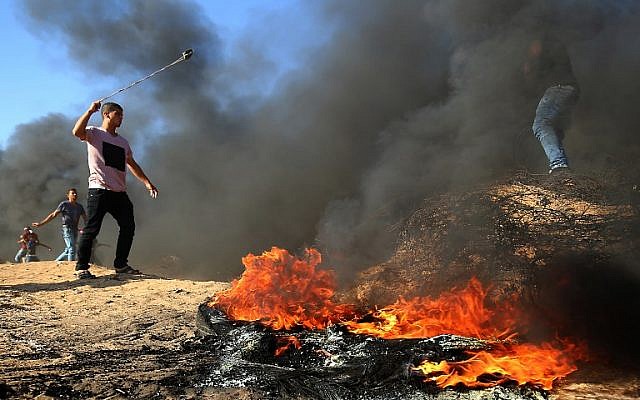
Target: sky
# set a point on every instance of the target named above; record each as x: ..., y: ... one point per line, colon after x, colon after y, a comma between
x: 38, y: 79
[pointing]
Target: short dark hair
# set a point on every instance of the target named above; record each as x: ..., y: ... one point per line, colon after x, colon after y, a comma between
x: 72, y: 190
x: 108, y: 107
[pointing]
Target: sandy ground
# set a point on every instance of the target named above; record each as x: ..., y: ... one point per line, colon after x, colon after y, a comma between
x: 110, y: 337
x: 120, y: 337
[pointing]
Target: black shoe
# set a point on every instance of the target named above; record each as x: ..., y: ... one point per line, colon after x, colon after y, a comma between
x: 127, y: 269
x: 84, y: 274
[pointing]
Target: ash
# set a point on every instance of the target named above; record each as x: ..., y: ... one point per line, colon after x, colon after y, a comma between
x: 334, y: 364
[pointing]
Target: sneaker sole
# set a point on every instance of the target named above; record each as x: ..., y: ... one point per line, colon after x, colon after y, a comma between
x: 130, y: 271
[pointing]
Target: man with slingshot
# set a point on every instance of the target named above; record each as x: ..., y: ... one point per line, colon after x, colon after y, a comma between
x: 108, y: 154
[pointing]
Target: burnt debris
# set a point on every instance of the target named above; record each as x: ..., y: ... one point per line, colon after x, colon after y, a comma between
x: 334, y: 363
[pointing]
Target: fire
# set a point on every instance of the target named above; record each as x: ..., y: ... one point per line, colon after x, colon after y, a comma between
x: 521, y: 363
x: 460, y: 312
x: 285, y: 343
x: 285, y: 292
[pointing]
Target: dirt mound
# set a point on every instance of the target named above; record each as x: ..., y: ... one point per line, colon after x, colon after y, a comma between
x: 567, y: 248
x: 506, y: 234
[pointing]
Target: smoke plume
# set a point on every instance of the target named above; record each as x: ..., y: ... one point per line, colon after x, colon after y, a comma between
x: 401, y: 100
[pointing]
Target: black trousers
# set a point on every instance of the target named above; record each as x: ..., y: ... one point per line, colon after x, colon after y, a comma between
x: 99, y: 203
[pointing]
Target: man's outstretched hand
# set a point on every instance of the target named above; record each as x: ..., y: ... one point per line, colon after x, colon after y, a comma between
x: 153, y: 191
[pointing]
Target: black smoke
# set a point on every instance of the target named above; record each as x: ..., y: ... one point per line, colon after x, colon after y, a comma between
x: 402, y: 100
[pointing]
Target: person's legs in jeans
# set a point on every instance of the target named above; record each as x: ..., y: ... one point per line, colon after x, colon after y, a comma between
x: 122, y: 211
x: 21, y: 253
x: 551, y: 117
x: 73, y: 243
x: 65, y: 255
x: 97, y: 205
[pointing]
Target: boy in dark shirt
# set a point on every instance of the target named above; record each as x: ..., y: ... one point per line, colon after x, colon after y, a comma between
x: 71, y: 212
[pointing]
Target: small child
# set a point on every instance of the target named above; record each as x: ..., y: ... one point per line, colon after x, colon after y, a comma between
x: 28, y: 242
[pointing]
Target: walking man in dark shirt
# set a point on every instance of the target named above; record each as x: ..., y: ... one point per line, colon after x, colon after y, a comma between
x: 549, y: 74
x: 108, y: 154
x: 71, y: 212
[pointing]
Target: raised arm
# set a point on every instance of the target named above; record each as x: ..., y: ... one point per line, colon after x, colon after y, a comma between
x: 47, y: 219
x: 137, y: 171
x: 79, y: 129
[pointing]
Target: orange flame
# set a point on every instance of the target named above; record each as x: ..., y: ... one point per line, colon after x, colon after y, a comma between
x: 285, y: 343
x: 283, y: 292
x: 521, y: 363
x: 459, y: 312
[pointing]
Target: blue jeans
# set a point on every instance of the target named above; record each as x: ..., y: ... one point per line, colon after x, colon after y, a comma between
x: 21, y: 253
x: 70, y: 236
x: 552, y: 117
